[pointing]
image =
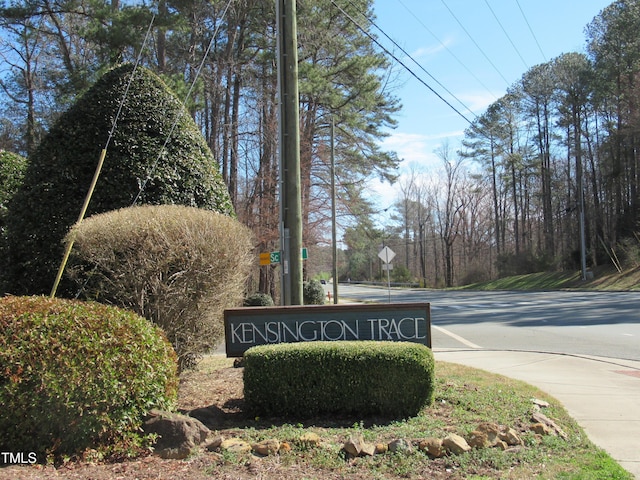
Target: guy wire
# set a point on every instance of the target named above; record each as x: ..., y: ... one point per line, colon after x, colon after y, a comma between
x: 98, y: 169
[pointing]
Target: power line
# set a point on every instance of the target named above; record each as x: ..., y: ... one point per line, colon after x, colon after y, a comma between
x: 400, y: 62
x: 475, y: 43
x: 506, y: 34
x: 414, y: 61
x: 443, y: 45
x: 531, y: 30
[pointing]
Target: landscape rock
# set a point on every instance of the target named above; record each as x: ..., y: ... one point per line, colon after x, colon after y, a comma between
x: 492, y: 431
x: 381, y: 448
x: 238, y: 362
x: 487, y: 435
x: 207, y: 415
x: 177, y: 434
x: 502, y: 445
x: 354, y: 445
x: 367, y: 450
x: 400, y: 445
x: 455, y: 444
x: 515, y: 449
x: 214, y: 444
x: 433, y: 446
x: 478, y: 439
x: 235, y: 445
x: 510, y: 437
x: 554, y: 428
x: 267, y: 447
x: 540, y: 403
x: 540, y: 429
x: 179, y: 453
x: 284, y: 447
x: 310, y: 439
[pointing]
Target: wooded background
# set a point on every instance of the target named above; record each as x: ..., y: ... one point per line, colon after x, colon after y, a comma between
x: 508, y: 197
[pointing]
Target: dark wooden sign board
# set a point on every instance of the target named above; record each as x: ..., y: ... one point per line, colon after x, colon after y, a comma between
x: 399, y: 322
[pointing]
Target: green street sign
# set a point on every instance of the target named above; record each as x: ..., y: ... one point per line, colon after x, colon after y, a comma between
x: 274, y: 257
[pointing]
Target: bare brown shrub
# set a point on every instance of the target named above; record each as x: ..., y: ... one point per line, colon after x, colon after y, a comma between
x: 177, y: 266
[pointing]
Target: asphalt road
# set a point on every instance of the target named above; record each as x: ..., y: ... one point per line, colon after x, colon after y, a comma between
x: 605, y: 324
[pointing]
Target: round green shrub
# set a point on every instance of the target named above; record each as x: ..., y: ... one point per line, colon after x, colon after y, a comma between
x: 77, y: 375
x: 313, y: 293
x: 258, y: 300
x: 177, y: 266
x: 59, y: 173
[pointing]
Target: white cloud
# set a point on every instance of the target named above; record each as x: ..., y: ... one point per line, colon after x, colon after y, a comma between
x: 431, y: 50
x: 477, y: 102
x: 417, y: 150
x: 410, y: 147
x: 416, y: 154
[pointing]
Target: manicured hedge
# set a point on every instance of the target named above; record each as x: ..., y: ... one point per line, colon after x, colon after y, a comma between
x: 360, y: 378
x: 76, y: 375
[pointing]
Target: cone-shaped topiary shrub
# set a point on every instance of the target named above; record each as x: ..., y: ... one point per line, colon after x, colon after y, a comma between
x: 177, y: 266
x: 77, y: 375
x: 60, y: 171
x: 12, y: 167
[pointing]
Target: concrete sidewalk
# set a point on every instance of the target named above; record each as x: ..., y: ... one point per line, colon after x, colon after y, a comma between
x: 601, y: 394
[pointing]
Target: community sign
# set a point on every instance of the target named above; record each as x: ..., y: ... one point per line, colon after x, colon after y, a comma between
x: 399, y: 322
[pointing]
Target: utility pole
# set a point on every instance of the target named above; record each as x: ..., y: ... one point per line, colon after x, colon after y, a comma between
x: 290, y: 191
x: 577, y: 138
x: 578, y: 149
x: 334, y: 245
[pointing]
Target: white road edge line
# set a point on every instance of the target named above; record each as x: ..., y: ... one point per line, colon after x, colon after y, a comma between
x: 456, y: 337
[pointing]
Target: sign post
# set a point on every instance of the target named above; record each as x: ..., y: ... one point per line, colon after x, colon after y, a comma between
x: 386, y: 255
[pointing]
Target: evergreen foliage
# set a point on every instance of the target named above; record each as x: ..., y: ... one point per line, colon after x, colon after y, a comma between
x: 12, y: 167
x: 77, y: 375
x: 312, y: 293
x: 364, y: 378
x: 60, y: 171
x: 258, y: 300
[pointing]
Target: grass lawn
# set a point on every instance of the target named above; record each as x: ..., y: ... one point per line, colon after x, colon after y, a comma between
x: 465, y: 397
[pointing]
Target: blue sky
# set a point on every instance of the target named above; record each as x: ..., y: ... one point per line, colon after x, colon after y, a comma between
x: 462, y: 45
